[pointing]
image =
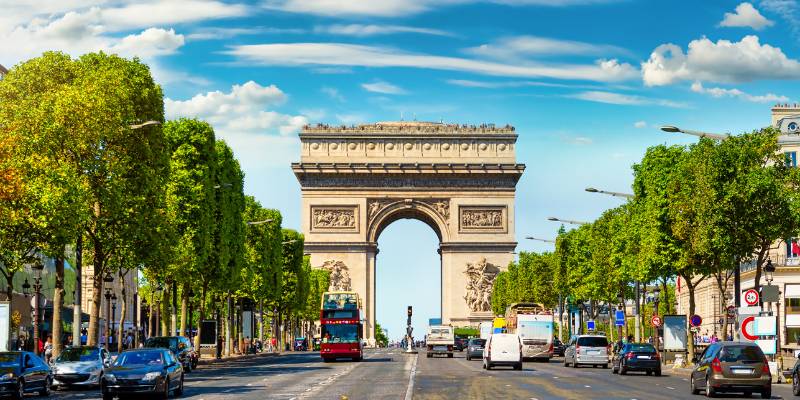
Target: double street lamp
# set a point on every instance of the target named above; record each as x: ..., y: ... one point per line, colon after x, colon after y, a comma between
x: 107, y: 281
x: 568, y: 221
x: 37, y: 267
x: 675, y: 129
x: 615, y: 194
x: 541, y: 240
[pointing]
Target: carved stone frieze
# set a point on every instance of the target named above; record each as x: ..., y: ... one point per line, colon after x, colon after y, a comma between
x: 482, y: 218
x: 336, y: 218
x: 340, y: 278
x: 442, y: 206
x: 480, y: 283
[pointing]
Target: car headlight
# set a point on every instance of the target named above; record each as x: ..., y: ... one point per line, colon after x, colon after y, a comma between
x: 151, y: 376
x: 110, y: 378
x: 7, y: 376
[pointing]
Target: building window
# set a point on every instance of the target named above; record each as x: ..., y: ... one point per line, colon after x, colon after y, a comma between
x: 793, y: 305
x: 791, y: 158
x: 793, y: 248
x: 792, y: 335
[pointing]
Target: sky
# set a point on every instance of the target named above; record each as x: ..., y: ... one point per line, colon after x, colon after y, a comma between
x: 586, y: 83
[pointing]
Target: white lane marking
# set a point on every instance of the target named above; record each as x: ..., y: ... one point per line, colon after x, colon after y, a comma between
x: 587, y: 386
x: 555, y: 377
x: 249, y: 384
x: 410, y: 388
x: 685, y: 380
x: 670, y: 388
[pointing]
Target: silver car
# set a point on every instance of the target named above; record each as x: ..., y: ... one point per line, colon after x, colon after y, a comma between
x: 587, y: 350
x: 80, y: 366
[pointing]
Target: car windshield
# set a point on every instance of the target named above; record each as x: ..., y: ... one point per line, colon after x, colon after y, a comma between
x: 164, y: 342
x: 139, y: 358
x: 477, y: 342
x: 439, y: 332
x: 9, y: 360
x: 79, y: 354
x: 741, y: 353
x: 641, y: 348
x: 593, y: 341
x: 344, y: 333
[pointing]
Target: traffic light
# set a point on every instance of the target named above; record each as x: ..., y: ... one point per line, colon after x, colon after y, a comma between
x: 409, y: 311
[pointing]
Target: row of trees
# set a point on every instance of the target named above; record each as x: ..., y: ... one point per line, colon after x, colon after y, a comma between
x: 89, y: 166
x: 698, y: 211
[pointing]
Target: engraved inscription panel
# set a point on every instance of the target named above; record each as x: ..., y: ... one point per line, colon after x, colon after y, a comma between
x: 334, y: 218
x: 482, y: 219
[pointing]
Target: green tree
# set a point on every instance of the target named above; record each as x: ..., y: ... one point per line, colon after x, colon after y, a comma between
x: 380, y: 337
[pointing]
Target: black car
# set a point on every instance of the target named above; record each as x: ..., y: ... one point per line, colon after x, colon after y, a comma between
x: 558, y: 348
x: 143, y: 371
x: 636, y: 357
x: 23, y: 372
x: 461, y: 344
x: 180, y: 345
x: 475, y: 348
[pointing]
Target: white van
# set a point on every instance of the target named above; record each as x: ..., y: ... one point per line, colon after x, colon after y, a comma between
x: 503, y: 349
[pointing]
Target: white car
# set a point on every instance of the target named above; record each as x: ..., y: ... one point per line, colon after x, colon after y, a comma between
x: 503, y: 349
x: 80, y: 366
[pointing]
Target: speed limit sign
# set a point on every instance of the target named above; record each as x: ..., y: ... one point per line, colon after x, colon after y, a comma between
x: 751, y: 297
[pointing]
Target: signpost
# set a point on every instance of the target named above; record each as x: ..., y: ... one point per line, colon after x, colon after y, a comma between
x: 696, y: 320
x: 655, y: 321
x: 731, y: 311
x: 619, y: 318
x: 590, y: 325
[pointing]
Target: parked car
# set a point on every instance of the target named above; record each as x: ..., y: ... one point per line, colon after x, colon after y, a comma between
x: 732, y: 367
x: 180, y: 345
x: 558, y: 348
x: 503, y: 349
x: 80, y: 366
x: 154, y: 371
x: 461, y: 343
x: 23, y: 372
x: 588, y: 350
x: 636, y: 357
x: 475, y: 348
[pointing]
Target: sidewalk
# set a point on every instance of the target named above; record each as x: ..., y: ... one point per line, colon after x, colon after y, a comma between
x: 233, y: 357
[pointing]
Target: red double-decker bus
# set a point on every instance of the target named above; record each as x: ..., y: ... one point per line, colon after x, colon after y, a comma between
x: 341, y: 326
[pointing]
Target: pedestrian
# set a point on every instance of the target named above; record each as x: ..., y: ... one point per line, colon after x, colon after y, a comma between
x: 129, y: 340
x: 48, y: 349
x: 84, y: 337
x: 714, y: 338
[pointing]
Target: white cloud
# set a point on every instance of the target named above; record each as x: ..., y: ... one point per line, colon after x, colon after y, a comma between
x: 216, y: 33
x: 746, y: 16
x: 718, y: 92
x: 397, y: 8
x: 242, y: 110
x: 342, y: 54
x: 624, y: 99
x: 640, y: 124
x: 333, y: 93
x: 513, y: 84
x: 351, y: 119
x: 723, y: 61
x: 161, y: 13
x: 361, y: 30
x: 151, y: 42
x: 383, y: 87
x: 519, y: 47
x: 788, y: 10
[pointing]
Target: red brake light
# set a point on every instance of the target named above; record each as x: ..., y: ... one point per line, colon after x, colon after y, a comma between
x: 551, y: 347
x: 765, y: 367
x: 629, y: 356
x: 657, y: 356
x: 716, y: 366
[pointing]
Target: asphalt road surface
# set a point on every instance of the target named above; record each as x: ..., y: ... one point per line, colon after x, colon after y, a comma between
x: 390, y: 374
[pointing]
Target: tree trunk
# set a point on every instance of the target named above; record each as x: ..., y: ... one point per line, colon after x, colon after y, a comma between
x: 666, y: 296
x: 184, y: 308
x: 152, y: 317
x: 173, y: 312
x: 762, y: 255
x: 202, y: 316
x: 690, y: 286
x: 163, y: 306
x: 97, y: 295
x: 58, y: 303
x: 77, y: 314
x: 122, y: 310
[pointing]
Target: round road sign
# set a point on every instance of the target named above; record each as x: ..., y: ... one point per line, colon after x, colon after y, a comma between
x: 747, y: 328
x: 655, y: 321
x: 696, y: 320
x: 751, y: 297
x: 731, y: 310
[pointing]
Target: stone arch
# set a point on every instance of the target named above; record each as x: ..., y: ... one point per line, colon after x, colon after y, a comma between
x: 393, y: 210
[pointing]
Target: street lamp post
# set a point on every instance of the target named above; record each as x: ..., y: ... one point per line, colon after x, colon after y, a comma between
x: 568, y: 221
x: 769, y: 275
x: 656, y: 295
x: 144, y: 317
x: 189, y: 316
x: 541, y: 240
x: 621, y: 302
x: 37, y: 267
x: 675, y: 129
x: 615, y: 194
x: 113, y: 316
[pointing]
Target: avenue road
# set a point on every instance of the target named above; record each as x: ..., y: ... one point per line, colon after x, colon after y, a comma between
x: 390, y: 374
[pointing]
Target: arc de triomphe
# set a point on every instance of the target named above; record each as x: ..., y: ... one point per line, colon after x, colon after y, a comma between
x: 460, y: 180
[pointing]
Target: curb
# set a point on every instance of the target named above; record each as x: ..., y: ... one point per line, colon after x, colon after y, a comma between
x: 211, y: 361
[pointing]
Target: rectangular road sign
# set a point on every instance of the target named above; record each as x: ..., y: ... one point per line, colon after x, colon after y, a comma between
x: 619, y: 318
x: 749, y: 310
x: 764, y: 326
x: 590, y: 325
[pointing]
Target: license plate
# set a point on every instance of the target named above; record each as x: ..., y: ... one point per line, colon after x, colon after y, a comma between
x: 594, y: 351
x: 742, y: 371
x: 644, y: 357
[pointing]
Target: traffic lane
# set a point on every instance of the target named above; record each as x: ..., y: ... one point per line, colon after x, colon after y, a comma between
x: 460, y: 379
x: 253, y: 378
x: 383, y: 374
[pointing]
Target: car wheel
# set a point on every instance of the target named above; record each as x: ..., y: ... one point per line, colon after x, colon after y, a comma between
x: 658, y: 372
x: 648, y: 373
x: 46, y: 389
x: 748, y: 394
x: 605, y: 366
x: 108, y: 396
x: 766, y: 394
x: 795, y: 385
x: 188, y: 367
x: 613, y: 368
x: 566, y: 364
x: 692, y: 387
x: 450, y: 355
x: 179, y: 390
x: 20, y: 394
x: 709, y: 389
x: 165, y: 395
x: 488, y: 365
x: 622, y: 370
x: 518, y: 367
x: 575, y: 363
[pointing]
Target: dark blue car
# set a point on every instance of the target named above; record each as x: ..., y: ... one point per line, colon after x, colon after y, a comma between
x: 23, y: 372
x: 636, y: 357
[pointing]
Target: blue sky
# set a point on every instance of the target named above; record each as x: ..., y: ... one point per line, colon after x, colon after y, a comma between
x: 585, y: 82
